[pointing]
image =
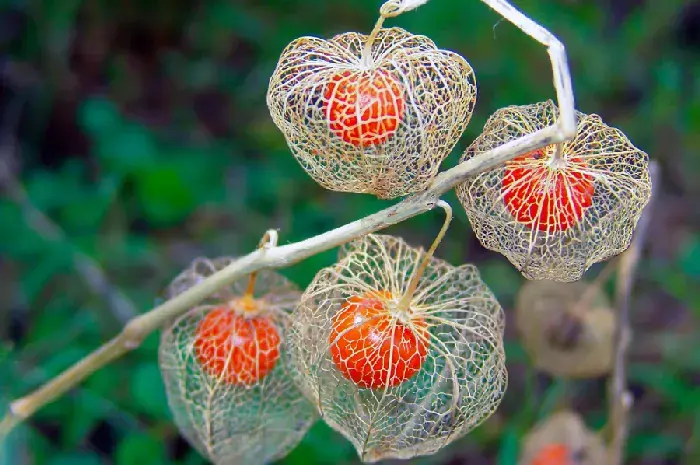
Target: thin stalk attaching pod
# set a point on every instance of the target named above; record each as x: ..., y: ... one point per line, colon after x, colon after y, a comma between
x: 268, y: 241
x: 405, y: 302
x: 389, y: 9
x: 558, y: 159
x: 393, y: 8
x: 595, y: 287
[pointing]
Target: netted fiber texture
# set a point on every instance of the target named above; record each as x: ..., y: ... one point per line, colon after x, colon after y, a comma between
x: 566, y: 328
x: 553, y: 221
x: 566, y: 429
x: 380, y: 125
x: 427, y: 374
x: 256, y: 416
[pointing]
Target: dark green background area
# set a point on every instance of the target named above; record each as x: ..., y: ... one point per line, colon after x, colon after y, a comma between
x: 139, y: 129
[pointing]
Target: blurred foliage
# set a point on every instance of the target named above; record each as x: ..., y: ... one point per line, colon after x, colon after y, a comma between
x: 139, y: 128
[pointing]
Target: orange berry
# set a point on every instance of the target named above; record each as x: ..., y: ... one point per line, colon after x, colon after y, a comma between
x: 554, y: 454
x: 364, y: 108
x: 240, y: 350
x: 545, y: 198
x: 371, y: 347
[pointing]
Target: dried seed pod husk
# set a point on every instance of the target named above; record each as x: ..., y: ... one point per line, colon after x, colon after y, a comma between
x: 461, y: 377
x: 414, y: 102
x: 567, y: 429
x: 554, y: 219
x: 253, y: 417
x: 568, y: 329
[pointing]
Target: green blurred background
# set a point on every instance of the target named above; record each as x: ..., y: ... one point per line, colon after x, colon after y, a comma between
x: 135, y: 137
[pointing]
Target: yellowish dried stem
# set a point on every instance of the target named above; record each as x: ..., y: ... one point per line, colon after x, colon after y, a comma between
x: 619, y: 398
x: 367, y: 51
x: 389, y: 9
x: 584, y: 303
x: 250, y: 289
x: 405, y: 302
x: 268, y: 240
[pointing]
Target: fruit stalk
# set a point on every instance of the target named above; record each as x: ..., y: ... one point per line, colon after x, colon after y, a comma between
x: 405, y: 302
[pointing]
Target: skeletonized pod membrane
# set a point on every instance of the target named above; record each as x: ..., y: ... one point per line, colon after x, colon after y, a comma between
x: 398, y: 377
x: 562, y: 439
x: 556, y: 211
x: 226, y: 369
x: 371, y: 114
x: 567, y: 329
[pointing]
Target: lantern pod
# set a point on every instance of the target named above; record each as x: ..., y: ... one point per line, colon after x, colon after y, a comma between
x: 562, y: 439
x: 566, y: 328
x: 377, y: 120
x: 226, y: 371
x: 398, y: 380
x: 553, y: 217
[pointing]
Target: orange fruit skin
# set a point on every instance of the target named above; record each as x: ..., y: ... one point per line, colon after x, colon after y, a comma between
x: 239, y: 350
x: 554, y: 454
x: 364, y: 108
x: 552, y: 205
x: 365, y: 351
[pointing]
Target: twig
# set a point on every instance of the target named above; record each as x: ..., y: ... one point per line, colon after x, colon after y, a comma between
x: 582, y: 306
x: 138, y: 328
x: 557, y: 56
x: 620, y: 399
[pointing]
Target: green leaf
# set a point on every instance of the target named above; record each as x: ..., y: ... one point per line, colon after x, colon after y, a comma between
x: 99, y: 116
x: 502, y: 278
x: 165, y: 194
x: 128, y: 149
x: 54, y: 261
x: 689, y: 259
x: 515, y: 352
x: 508, y: 452
x: 148, y: 390
x: 84, y: 416
x: 552, y: 398
x: 321, y: 445
x: 672, y: 387
x: 143, y: 448
x: 193, y: 458
x: 655, y: 445
x: 86, y: 213
x: 78, y: 458
x: 23, y: 445
x: 12, y: 445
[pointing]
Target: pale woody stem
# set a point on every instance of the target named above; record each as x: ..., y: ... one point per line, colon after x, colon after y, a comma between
x: 619, y: 398
x: 559, y: 160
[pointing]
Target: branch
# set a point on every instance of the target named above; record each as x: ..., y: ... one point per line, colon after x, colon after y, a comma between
x: 620, y: 399
x: 138, y: 328
x: 566, y: 124
x: 276, y: 257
